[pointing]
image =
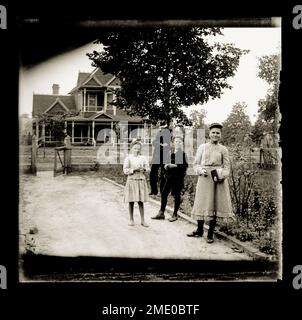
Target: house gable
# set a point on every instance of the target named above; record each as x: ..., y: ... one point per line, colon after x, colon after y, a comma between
x: 101, y: 115
x: 92, y: 80
x: 43, y: 103
x: 58, y: 107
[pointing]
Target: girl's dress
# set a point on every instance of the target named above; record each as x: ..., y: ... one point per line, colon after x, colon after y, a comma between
x: 136, y: 188
x: 212, y: 201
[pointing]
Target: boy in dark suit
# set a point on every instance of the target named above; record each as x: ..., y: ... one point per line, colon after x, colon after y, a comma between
x: 162, y: 149
x: 175, y: 174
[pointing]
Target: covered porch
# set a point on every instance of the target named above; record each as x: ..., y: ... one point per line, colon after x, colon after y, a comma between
x: 98, y: 132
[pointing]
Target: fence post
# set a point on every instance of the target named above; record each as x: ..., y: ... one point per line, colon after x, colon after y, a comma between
x: 43, y: 137
x: 118, y: 149
x: 55, y: 164
x: 67, y: 154
x: 34, y: 155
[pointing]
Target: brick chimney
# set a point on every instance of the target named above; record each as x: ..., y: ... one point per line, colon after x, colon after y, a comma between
x: 55, y: 89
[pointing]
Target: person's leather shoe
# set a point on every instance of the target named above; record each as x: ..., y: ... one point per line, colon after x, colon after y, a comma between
x: 195, y: 233
x: 159, y: 216
x: 210, y: 240
x: 153, y: 194
x: 173, y: 218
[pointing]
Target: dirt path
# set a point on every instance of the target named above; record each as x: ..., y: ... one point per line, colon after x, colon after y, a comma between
x: 84, y: 215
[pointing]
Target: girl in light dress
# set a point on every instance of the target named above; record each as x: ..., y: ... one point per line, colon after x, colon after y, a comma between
x: 136, y: 189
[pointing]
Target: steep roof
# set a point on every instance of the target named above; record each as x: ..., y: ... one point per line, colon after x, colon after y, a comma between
x: 82, y: 76
x: 41, y: 102
x: 98, y: 77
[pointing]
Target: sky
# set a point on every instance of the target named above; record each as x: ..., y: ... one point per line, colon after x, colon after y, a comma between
x: 246, y: 85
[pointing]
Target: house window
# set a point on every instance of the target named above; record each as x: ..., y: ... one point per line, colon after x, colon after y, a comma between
x: 94, y: 100
x: 109, y: 106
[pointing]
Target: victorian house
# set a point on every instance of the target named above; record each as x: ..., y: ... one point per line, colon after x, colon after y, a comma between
x: 90, y: 118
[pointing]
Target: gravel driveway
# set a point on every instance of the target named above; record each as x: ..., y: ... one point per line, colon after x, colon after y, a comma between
x: 84, y: 215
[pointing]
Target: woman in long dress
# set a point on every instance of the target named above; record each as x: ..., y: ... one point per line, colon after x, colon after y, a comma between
x: 212, y: 197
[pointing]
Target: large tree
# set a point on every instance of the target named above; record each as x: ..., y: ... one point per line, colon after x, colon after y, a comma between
x: 197, y: 118
x: 237, y: 126
x: 261, y: 127
x: 269, y: 70
x: 163, y: 69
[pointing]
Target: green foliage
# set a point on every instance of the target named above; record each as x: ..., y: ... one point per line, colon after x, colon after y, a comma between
x: 269, y: 70
x: 241, y: 180
x: 237, y: 126
x: 260, y: 128
x: 197, y: 118
x: 164, y: 69
x: 254, y: 199
x: 56, y: 124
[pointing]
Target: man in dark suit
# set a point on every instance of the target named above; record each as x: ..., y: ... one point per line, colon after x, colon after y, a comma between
x: 161, y: 156
x: 175, y: 174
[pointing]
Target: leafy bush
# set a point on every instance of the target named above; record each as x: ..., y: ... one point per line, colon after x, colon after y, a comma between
x: 255, y: 203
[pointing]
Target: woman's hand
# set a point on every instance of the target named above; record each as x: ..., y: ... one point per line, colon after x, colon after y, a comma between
x: 202, y: 172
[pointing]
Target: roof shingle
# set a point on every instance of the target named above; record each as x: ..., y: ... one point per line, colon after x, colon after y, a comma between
x: 41, y: 102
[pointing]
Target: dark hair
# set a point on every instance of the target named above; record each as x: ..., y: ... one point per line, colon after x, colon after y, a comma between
x: 215, y: 125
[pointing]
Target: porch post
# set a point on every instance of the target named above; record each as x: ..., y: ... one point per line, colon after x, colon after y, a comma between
x: 112, y: 139
x: 72, y: 132
x: 84, y: 100
x: 43, y: 129
x: 43, y: 136
x: 105, y: 101
x: 81, y: 133
x: 144, y: 134
x: 93, y: 140
x: 88, y: 131
x: 37, y: 129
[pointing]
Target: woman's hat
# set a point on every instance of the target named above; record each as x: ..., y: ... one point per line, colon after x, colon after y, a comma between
x: 215, y: 125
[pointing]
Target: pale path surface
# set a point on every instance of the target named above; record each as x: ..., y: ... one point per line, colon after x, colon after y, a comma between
x: 84, y: 215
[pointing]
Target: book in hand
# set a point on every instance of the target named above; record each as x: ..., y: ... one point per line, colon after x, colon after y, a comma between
x: 217, y: 175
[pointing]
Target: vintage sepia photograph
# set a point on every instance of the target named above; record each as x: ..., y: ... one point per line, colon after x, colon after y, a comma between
x: 149, y: 151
